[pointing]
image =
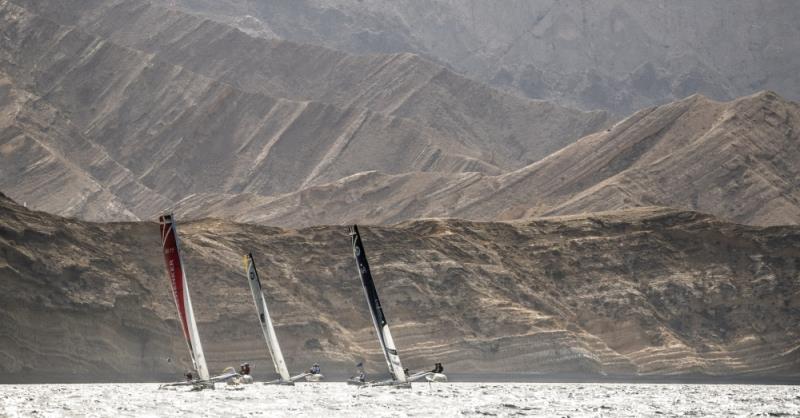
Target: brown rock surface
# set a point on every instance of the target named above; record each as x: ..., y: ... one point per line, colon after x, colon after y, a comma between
x: 47, y: 159
x: 187, y: 105
x: 617, y: 55
x: 737, y: 160
x: 639, y: 292
x: 506, y: 129
x: 196, y: 115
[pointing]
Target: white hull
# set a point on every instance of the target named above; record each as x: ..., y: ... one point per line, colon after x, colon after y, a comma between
x: 244, y: 379
x: 280, y: 382
x: 315, y: 377
x: 393, y: 383
x: 199, y: 384
x: 436, y: 377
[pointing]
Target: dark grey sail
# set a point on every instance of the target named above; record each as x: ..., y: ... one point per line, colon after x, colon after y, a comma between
x: 378, y: 318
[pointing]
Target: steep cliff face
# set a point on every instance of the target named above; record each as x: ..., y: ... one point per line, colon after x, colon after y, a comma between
x: 737, y: 160
x: 639, y: 292
x: 619, y: 55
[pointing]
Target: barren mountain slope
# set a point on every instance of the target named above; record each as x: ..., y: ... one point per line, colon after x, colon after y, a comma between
x: 738, y: 160
x: 176, y: 132
x: 508, y: 131
x: 368, y: 197
x: 620, y: 55
x: 647, y: 291
x: 46, y: 159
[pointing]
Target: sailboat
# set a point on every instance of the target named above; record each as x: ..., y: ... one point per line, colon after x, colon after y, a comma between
x: 400, y: 378
x: 266, y: 325
x: 183, y: 301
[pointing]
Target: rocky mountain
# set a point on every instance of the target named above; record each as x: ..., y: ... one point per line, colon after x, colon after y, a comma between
x: 508, y: 130
x: 198, y: 116
x: 516, y: 235
x: 635, y: 293
x: 52, y: 164
x: 179, y: 104
x: 738, y: 160
x: 619, y: 55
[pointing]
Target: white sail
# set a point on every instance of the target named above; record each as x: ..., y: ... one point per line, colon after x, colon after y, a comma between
x: 264, y: 318
x: 180, y: 292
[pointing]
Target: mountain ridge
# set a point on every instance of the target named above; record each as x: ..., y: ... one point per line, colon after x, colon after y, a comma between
x: 180, y: 132
x: 400, y: 82
x: 732, y: 159
x: 557, y: 50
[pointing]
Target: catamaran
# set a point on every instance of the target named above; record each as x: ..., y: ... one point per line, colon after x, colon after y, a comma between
x: 400, y: 377
x: 266, y: 326
x: 180, y: 292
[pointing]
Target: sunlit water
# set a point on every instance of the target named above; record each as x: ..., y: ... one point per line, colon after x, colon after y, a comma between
x: 448, y: 399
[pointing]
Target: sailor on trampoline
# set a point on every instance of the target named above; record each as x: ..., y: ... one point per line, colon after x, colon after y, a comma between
x: 244, y: 369
x: 360, y: 375
x: 244, y: 374
x: 314, y: 369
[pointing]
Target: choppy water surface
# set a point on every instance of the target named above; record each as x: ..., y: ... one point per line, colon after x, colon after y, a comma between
x: 449, y: 399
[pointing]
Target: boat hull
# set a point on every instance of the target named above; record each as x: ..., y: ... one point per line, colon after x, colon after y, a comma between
x: 436, y: 377
x: 280, y: 382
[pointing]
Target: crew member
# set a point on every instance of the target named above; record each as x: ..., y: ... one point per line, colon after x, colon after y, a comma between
x: 244, y: 369
x: 360, y: 375
x: 314, y: 369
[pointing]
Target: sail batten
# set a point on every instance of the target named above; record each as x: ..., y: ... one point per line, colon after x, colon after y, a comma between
x: 264, y: 319
x: 180, y: 293
x: 375, y: 309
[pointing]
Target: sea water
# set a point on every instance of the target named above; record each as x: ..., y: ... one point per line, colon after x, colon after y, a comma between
x: 438, y: 399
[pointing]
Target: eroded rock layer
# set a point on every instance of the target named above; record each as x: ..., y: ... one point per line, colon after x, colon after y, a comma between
x: 618, y: 55
x: 175, y: 104
x: 639, y: 292
x: 737, y: 160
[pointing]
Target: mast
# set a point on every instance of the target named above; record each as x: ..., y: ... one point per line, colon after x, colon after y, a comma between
x: 264, y: 318
x: 180, y: 292
x: 375, y: 310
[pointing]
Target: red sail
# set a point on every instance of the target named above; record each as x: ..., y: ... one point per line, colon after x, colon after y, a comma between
x: 172, y: 259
